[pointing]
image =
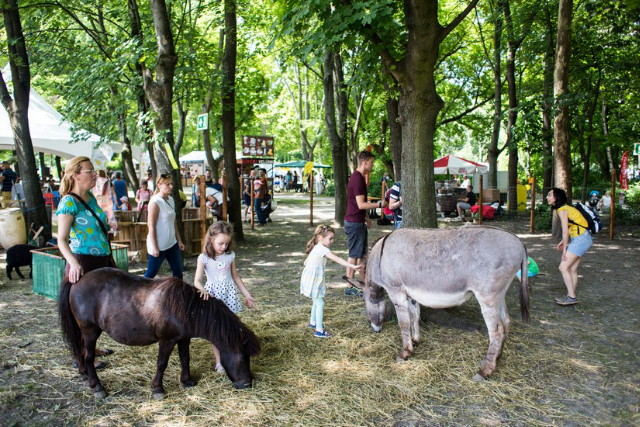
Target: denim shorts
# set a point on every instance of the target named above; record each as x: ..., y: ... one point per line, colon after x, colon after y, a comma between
x: 580, y: 244
x: 357, y: 238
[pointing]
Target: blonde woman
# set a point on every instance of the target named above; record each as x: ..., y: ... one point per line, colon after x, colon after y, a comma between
x: 82, y: 237
x: 163, y: 240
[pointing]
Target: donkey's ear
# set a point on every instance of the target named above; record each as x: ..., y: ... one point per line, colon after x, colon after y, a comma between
x: 353, y: 282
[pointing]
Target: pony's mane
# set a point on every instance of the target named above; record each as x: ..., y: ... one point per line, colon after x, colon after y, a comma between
x: 210, y: 319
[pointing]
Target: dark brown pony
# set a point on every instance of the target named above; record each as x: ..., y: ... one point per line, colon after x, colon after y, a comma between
x: 137, y: 311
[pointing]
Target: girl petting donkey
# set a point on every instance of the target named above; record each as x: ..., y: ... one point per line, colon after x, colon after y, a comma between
x: 312, y: 280
x: 218, y: 263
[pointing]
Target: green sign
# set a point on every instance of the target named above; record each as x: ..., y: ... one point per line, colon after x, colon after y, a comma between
x: 636, y: 149
x: 203, y: 122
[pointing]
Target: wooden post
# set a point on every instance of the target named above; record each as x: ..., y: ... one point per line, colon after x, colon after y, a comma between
x: 533, y: 204
x: 252, y: 186
x: 481, y: 202
x: 203, y: 212
x: 311, y: 198
x: 612, y: 210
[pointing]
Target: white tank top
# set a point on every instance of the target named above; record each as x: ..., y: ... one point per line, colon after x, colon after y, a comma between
x: 165, y: 224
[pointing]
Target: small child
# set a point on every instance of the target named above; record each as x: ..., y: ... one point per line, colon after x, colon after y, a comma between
x: 312, y: 280
x: 124, y: 204
x: 218, y: 262
x: 532, y: 269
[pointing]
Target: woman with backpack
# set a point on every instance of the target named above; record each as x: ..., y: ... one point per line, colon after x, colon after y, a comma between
x: 576, y: 240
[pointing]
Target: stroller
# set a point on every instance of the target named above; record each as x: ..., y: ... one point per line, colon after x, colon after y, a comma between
x: 594, y: 198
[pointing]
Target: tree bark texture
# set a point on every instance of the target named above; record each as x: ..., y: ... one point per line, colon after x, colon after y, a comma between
x: 17, y: 108
x: 547, y: 104
x: 228, y: 117
x: 562, y: 166
x: 395, y: 136
x: 493, y: 152
x: 336, y: 140
x: 159, y: 93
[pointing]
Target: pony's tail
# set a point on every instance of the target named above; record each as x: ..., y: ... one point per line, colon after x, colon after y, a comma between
x: 524, y: 287
x: 70, y: 329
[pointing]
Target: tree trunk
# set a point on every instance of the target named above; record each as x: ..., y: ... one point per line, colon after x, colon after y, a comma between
x: 337, y: 141
x: 547, y: 104
x: 493, y: 152
x: 228, y: 117
x: 17, y: 109
x: 159, y: 92
x: 562, y: 168
x: 395, y: 136
x: 419, y: 104
x: 512, y: 118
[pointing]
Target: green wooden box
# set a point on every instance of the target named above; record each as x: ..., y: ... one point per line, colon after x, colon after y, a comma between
x: 48, y: 268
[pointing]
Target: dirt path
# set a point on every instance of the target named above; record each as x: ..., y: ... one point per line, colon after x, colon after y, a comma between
x: 569, y: 366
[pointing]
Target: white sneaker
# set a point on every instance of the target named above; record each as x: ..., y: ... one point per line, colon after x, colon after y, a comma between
x: 456, y: 219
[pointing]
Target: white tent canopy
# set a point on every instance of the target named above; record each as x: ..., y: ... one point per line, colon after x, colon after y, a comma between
x: 51, y: 133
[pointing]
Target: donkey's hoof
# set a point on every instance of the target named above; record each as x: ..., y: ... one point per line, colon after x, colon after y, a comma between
x: 479, y: 378
x: 99, y: 394
x: 158, y: 395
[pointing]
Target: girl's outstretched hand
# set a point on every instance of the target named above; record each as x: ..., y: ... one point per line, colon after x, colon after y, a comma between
x: 203, y: 294
x: 250, y: 302
x: 360, y: 267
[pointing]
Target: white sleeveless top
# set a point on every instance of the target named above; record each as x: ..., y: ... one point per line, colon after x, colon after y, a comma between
x: 165, y: 224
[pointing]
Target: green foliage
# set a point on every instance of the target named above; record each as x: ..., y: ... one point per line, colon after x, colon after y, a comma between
x: 633, y: 195
x: 628, y: 216
x: 543, y: 217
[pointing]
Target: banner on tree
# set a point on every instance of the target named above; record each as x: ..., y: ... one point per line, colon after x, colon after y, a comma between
x: 624, y: 183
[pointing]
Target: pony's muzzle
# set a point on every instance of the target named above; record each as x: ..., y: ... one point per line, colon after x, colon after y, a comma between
x: 376, y: 328
x: 240, y: 386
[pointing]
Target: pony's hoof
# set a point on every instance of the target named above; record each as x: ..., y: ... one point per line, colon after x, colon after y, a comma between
x: 158, y: 396
x: 479, y: 378
x: 189, y: 384
x: 100, y: 394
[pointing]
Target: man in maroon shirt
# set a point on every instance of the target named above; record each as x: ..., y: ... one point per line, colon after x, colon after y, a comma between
x: 356, y: 221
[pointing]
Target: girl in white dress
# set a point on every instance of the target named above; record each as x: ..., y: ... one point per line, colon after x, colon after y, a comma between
x: 312, y: 280
x: 218, y: 263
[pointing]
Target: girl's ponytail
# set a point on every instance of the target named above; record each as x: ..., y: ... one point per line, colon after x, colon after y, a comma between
x: 321, y: 230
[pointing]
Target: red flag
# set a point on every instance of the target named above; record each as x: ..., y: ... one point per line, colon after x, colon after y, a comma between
x: 624, y: 183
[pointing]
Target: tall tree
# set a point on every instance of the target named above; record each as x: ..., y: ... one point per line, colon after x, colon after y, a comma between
x: 419, y: 102
x: 562, y: 143
x: 159, y: 93
x: 18, y: 109
x: 334, y: 110
x: 229, y: 114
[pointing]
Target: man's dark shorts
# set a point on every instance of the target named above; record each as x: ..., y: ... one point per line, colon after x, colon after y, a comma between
x: 357, y: 238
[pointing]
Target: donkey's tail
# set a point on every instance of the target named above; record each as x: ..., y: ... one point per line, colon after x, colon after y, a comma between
x: 524, y: 287
x: 70, y: 329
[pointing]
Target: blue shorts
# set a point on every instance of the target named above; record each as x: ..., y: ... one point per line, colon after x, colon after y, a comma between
x: 580, y: 244
x: 356, y: 238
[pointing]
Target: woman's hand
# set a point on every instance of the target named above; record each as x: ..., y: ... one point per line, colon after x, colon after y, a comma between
x: 180, y: 246
x: 154, y: 251
x: 75, y: 271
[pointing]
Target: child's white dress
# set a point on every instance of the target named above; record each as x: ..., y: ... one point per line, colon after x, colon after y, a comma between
x: 220, y: 283
x: 312, y: 280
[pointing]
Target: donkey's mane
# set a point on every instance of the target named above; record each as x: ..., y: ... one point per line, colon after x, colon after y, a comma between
x: 210, y: 319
